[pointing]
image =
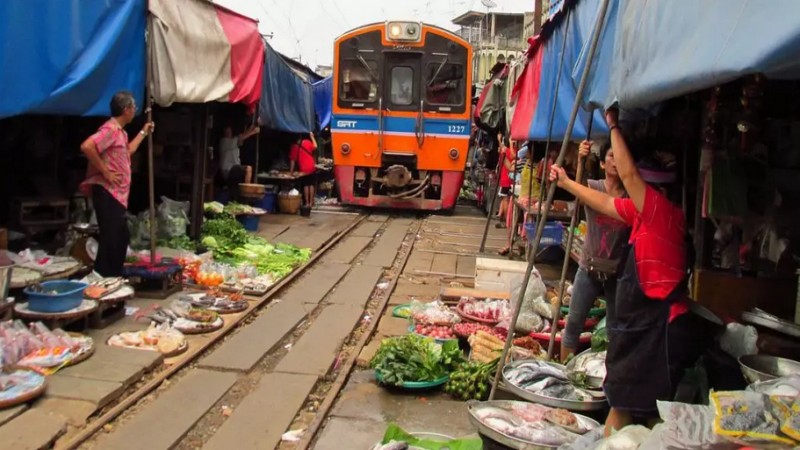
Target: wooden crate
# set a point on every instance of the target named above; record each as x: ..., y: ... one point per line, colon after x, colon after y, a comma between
x: 40, y: 211
x: 724, y: 293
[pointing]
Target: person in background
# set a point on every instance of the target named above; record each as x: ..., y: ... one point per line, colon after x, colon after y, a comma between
x: 301, y: 157
x: 654, y: 337
x: 108, y: 181
x: 507, y: 156
x: 230, y: 164
x: 603, y: 246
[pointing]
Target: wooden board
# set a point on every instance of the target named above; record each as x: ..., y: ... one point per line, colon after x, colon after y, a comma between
x: 453, y: 295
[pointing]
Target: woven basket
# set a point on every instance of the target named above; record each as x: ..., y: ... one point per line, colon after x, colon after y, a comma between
x: 289, y: 204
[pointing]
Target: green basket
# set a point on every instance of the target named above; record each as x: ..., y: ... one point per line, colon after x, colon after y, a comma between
x: 413, y: 385
x: 402, y: 311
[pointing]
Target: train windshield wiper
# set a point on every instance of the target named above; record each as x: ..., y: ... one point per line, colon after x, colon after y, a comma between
x: 363, y: 62
x: 438, y: 69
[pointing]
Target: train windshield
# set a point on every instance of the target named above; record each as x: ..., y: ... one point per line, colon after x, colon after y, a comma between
x: 402, y: 85
x: 444, y: 83
x: 359, y: 83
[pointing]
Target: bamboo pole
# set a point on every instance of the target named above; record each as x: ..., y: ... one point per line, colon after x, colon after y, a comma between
x: 491, y: 209
x: 567, y: 255
x: 598, y: 27
x: 150, y: 170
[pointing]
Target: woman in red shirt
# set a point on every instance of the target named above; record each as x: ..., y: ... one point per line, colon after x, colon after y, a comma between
x: 652, y: 340
x: 301, y: 156
x: 507, y: 159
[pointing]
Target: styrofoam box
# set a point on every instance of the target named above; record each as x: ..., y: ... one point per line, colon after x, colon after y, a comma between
x: 495, y: 274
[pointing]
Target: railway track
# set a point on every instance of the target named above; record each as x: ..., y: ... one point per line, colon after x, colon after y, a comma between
x: 340, y: 293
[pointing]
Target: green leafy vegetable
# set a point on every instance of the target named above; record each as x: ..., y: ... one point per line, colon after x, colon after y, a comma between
x: 397, y: 434
x: 415, y: 358
x: 179, y: 242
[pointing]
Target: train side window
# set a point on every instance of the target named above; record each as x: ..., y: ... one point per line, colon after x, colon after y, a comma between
x: 402, y: 85
x: 444, y: 84
x: 358, y: 84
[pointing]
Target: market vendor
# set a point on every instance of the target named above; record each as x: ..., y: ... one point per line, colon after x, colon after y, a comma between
x: 301, y: 156
x: 653, y: 339
x: 603, y: 246
x: 230, y: 161
x: 108, y: 181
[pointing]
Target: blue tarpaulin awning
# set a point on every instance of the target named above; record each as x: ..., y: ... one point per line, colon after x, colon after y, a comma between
x: 287, y: 101
x: 657, y: 50
x: 68, y: 57
x: 323, y: 101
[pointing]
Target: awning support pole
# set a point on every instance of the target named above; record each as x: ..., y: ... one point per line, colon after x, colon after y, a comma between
x: 568, y: 254
x: 598, y: 28
x: 150, y: 170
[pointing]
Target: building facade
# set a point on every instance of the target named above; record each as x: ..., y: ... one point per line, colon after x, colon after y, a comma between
x: 495, y: 38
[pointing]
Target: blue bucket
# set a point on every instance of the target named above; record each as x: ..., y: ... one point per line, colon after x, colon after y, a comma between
x: 268, y: 202
x: 69, y: 296
x: 249, y: 222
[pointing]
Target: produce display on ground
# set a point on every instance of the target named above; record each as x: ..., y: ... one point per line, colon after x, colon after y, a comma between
x: 232, y: 245
x: 184, y: 317
x: 38, y: 348
x: 161, y: 338
x: 488, y: 311
x: 433, y: 313
x: 530, y: 423
x: 546, y: 380
x: 472, y: 381
x: 216, y: 301
x: 413, y: 358
x: 18, y: 384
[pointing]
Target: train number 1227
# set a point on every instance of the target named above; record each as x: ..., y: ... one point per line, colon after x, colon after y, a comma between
x: 458, y: 129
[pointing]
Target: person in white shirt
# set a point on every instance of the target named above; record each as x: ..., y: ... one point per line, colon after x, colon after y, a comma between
x: 230, y: 163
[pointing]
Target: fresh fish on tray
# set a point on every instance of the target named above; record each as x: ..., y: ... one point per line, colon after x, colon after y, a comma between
x: 533, y: 371
x: 525, y: 424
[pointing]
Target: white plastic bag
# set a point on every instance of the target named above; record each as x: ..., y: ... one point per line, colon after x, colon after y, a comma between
x: 628, y: 438
x: 784, y: 386
x: 739, y: 340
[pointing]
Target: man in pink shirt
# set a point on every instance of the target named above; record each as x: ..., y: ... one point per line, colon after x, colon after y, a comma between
x: 108, y: 181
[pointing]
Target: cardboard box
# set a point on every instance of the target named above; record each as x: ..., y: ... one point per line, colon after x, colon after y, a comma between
x: 499, y: 275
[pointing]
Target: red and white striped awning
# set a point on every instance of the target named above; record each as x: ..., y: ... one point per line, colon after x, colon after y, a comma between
x: 200, y: 52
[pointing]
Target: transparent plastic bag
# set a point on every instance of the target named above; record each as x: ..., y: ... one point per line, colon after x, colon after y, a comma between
x: 747, y: 418
x: 529, y: 321
x: 628, y: 438
x: 685, y: 427
x: 433, y: 313
x: 739, y: 340
x: 783, y: 387
x: 789, y: 412
x: 173, y: 218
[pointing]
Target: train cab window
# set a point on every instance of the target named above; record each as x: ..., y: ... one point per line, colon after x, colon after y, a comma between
x: 359, y: 82
x: 402, y: 85
x: 444, y: 84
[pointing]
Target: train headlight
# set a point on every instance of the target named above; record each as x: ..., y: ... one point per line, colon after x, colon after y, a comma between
x: 454, y: 154
x: 345, y: 149
x: 403, y: 31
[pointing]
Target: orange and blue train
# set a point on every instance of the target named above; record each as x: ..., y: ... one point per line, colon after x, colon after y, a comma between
x: 401, y: 115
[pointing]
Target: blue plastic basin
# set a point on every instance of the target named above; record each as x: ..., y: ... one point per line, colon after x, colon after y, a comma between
x: 69, y: 296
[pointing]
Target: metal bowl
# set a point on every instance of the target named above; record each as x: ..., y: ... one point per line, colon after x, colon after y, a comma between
x: 510, y: 441
x: 570, y: 405
x: 757, y: 368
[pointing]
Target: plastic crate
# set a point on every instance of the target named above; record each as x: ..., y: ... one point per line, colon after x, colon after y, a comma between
x: 552, y: 236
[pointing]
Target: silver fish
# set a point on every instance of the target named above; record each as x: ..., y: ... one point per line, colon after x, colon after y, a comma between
x: 484, y: 414
x: 533, y: 371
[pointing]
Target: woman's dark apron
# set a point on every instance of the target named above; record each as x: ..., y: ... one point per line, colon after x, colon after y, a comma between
x: 638, y: 362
